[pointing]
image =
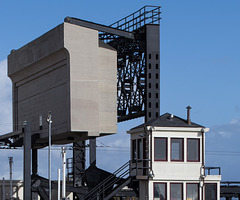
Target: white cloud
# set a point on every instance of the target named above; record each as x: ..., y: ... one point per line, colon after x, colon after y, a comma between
x: 6, y: 125
x: 224, y: 133
x: 234, y: 121
x: 222, y: 148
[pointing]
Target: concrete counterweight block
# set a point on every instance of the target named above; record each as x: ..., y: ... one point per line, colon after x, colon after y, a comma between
x: 69, y: 72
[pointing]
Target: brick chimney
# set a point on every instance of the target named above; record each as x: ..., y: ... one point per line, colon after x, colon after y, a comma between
x: 188, y: 115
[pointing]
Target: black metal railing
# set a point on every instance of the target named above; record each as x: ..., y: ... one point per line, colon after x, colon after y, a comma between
x: 209, y: 171
x: 140, y: 167
x: 230, y: 183
x: 100, y: 191
x: 146, y: 15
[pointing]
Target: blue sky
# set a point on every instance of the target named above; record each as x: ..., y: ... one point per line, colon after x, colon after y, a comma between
x: 199, y: 67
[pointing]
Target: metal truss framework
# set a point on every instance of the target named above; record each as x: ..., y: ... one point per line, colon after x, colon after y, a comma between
x: 136, y: 39
x: 138, y: 80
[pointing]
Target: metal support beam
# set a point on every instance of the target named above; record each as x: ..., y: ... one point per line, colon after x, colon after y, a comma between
x: 34, y: 161
x: 99, y: 27
x: 92, y: 146
x: 152, y: 57
x: 3, y: 189
x: 27, y: 161
x: 78, y: 163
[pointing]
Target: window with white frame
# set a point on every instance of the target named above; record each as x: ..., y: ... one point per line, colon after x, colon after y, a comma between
x: 211, y: 191
x: 160, y: 149
x: 177, y: 149
x: 176, y: 191
x: 192, y: 191
x: 193, y: 150
x: 160, y: 191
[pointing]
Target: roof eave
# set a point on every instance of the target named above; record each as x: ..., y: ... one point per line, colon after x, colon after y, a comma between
x: 177, y: 129
x: 180, y: 129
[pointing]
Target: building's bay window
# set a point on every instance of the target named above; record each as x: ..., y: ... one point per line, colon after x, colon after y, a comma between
x: 160, y: 149
x: 211, y: 191
x: 176, y: 191
x: 193, y: 150
x: 160, y: 191
x: 192, y: 191
x: 177, y: 149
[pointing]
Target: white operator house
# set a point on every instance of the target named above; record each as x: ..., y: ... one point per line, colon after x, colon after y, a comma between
x: 168, y: 160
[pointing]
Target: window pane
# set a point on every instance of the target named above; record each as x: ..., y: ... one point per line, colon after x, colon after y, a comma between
x: 176, y: 191
x: 160, y: 149
x: 140, y: 149
x: 177, y: 149
x: 134, y: 150
x: 192, y: 191
x: 160, y: 191
x: 211, y: 191
x: 193, y: 150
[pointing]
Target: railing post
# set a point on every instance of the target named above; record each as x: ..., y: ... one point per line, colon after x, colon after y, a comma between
x: 130, y: 168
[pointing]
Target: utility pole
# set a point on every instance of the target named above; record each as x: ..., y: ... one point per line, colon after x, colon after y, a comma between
x: 63, y: 173
x: 59, y: 184
x: 10, y: 167
x: 3, y: 189
x: 49, y: 121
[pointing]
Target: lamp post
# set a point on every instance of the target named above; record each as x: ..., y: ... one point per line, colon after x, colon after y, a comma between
x: 49, y: 121
x: 10, y: 167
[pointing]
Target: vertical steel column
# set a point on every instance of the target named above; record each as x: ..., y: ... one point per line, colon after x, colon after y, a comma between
x: 92, y: 146
x: 34, y: 161
x: 63, y: 173
x: 34, y: 168
x: 152, y: 107
x: 27, y: 161
x: 78, y: 164
x: 3, y: 189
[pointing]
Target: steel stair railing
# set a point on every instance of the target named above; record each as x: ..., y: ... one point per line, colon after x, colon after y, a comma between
x: 118, y: 177
x: 146, y: 15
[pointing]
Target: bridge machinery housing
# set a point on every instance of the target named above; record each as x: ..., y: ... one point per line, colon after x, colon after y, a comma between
x: 90, y: 76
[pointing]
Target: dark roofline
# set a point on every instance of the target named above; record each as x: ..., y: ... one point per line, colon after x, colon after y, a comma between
x: 165, y: 121
x: 99, y: 27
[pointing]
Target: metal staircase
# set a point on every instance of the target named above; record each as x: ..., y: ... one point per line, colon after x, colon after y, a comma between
x: 111, y: 185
